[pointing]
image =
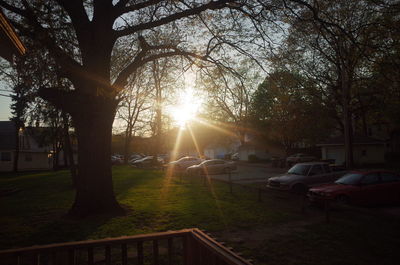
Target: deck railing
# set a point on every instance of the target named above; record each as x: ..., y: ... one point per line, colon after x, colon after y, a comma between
x: 186, y: 247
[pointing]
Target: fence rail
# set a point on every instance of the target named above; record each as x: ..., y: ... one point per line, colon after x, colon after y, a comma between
x: 187, y: 247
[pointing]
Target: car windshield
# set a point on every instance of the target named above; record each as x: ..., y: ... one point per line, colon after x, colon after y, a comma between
x: 349, y: 179
x: 299, y: 169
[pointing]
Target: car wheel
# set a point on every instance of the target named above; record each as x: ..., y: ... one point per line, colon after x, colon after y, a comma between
x: 299, y: 189
x: 343, y: 199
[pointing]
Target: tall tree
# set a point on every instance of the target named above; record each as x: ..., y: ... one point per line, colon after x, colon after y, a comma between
x: 134, y: 102
x: 95, y: 28
x: 284, y: 110
x: 335, y: 39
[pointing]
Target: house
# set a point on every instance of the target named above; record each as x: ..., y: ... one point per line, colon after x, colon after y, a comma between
x: 220, y: 150
x: 213, y: 151
x: 262, y: 150
x: 32, y: 156
x: 366, y: 150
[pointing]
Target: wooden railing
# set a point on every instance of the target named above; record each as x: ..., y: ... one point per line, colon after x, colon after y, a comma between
x: 186, y: 247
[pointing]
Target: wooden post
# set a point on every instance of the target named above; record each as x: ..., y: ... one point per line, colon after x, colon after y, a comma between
x: 327, y: 211
x: 36, y: 259
x: 90, y: 256
x: 140, y: 252
x: 186, y: 249
x: 303, y: 204
x: 53, y: 258
x: 124, y: 254
x: 155, y: 252
x: 230, y: 181
x: 170, y: 250
x: 108, y: 255
x: 71, y: 257
x: 19, y: 259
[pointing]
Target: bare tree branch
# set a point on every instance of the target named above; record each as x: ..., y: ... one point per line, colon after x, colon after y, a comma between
x: 213, y: 5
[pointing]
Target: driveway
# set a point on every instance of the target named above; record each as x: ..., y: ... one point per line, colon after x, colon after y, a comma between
x: 251, y: 173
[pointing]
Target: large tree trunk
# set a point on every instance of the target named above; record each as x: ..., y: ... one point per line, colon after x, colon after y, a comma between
x: 94, y: 183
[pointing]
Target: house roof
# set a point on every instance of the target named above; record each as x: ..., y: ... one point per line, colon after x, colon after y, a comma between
x: 7, y: 135
x: 357, y: 140
x: 10, y: 43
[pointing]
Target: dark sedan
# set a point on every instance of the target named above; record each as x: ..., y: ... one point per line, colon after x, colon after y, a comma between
x: 364, y: 188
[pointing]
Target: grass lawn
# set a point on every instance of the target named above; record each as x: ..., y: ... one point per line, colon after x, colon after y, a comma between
x: 273, y: 231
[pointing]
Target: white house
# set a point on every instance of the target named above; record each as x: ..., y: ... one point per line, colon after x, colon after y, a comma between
x: 261, y: 150
x: 32, y: 156
x: 216, y: 151
x: 220, y: 148
x: 366, y: 150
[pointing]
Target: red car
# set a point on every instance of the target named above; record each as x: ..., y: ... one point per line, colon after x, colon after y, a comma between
x: 365, y: 188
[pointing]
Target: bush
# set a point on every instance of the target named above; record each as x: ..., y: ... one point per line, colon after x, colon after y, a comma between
x: 253, y: 158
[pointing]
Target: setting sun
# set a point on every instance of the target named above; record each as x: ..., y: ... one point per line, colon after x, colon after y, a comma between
x: 186, y: 108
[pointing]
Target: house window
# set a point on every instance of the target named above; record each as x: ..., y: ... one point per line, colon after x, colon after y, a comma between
x: 5, y: 156
x: 364, y: 153
x: 28, y: 157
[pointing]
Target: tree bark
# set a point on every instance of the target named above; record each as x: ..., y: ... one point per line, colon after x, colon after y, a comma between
x: 95, y: 193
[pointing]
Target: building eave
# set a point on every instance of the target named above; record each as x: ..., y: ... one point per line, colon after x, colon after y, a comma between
x: 376, y: 143
x: 8, y: 33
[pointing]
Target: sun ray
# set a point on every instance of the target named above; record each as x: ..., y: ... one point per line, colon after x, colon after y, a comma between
x: 207, y: 123
x: 194, y: 140
x: 169, y: 170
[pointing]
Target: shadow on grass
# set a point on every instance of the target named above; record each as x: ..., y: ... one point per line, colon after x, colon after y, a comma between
x: 154, y: 203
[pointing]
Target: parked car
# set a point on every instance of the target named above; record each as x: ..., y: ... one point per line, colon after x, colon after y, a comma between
x: 116, y: 160
x: 135, y: 156
x: 164, y: 157
x: 212, y: 166
x: 302, y: 176
x: 364, y: 188
x: 184, y: 162
x: 146, y: 162
x: 235, y: 156
x: 299, y: 158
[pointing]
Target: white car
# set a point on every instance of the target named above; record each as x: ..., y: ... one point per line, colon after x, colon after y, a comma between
x: 185, y: 162
x: 147, y: 161
x: 212, y: 166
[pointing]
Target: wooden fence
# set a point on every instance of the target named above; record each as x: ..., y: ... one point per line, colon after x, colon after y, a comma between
x: 187, y: 247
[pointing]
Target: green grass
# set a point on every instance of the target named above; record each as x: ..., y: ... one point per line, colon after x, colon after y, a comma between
x: 35, y: 215
x: 273, y: 231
